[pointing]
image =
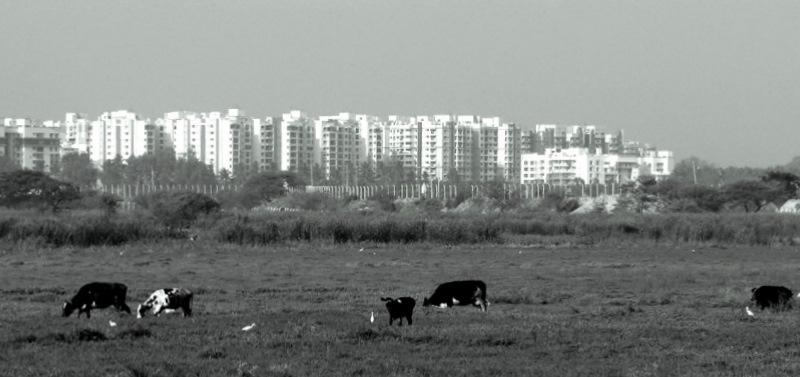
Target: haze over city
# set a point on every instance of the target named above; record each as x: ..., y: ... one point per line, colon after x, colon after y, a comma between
x: 716, y: 79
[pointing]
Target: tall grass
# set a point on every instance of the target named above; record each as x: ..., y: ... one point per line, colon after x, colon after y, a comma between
x: 83, y: 229
x: 261, y: 228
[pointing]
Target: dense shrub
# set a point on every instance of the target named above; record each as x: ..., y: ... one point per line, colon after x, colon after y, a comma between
x: 176, y: 209
x: 385, y: 201
x: 106, y: 202
x: 83, y: 230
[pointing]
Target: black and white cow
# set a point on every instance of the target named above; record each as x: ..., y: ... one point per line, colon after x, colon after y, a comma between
x: 466, y: 292
x: 399, y: 308
x: 97, y: 296
x: 767, y: 296
x: 167, y: 300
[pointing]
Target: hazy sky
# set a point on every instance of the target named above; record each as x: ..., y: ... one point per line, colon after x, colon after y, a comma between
x: 719, y: 80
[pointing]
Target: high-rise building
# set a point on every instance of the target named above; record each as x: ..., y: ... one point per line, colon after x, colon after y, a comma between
x: 31, y: 144
x: 296, y: 143
x: 265, y: 133
x: 113, y: 134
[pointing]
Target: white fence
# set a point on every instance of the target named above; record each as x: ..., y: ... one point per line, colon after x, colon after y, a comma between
x: 129, y: 191
x: 509, y: 191
x: 435, y: 191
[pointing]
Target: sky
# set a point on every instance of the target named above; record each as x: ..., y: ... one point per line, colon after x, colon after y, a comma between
x: 719, y: 80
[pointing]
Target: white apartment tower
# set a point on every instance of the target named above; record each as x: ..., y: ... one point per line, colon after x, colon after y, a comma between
x: 113, y: 134
x: 295, y: 148
x: 340, y: 141
x: 223, y: 141
x: 77, y: 133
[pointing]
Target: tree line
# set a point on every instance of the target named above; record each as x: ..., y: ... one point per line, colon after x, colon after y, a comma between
x: 694, y: 185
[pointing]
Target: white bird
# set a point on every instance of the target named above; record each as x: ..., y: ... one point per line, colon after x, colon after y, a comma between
x: 112, y: 323
x: 248, y: 328
x: 749, y: 312
x: 361, y: 249
x: 372, y: 317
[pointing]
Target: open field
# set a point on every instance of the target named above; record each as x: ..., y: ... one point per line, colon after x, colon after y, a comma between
x: 595, y: 311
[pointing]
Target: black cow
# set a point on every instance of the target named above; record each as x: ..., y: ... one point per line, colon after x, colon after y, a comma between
x: 767, y: 296
x: 97, y: 296
x: 399, y: 308
x: 167, y: 300
x: 467, y: 292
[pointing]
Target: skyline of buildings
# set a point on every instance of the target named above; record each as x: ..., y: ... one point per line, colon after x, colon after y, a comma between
x: 427, y: 147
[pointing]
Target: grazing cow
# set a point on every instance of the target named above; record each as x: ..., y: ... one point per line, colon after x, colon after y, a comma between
x: 459, y: 293
x: 97, y: 296
x: 169, y: 300
x: 773, y: 297
x: 399, y: 308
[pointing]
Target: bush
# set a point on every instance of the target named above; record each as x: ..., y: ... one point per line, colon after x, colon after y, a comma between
x: 176, y: 209
x: 108, y: 203
x: 385, y: 201
x: 430, y: 205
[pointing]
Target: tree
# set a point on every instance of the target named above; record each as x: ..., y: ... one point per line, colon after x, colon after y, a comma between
x: 78, y: 168
x: 639, y: 196
x: 264, y: 187
x: 366, y: 174
x: 7, y: 164
x: 453, y: 177
x: 22, y: 188
x: 151, y: 169
x: 113, y: 172
x: 224, y: 177
x: 192, y: 171
x: 785, y: 185
x: 749, y: 195
x: 696, y: 171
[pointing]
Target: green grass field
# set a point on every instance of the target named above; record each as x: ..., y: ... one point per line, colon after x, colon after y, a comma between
x: 631, y: 311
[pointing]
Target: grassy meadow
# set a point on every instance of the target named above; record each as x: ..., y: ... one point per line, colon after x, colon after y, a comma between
x: 638, y: 309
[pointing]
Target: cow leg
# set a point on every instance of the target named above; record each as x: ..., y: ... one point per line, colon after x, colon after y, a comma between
x: 390, y: 320
x: 408, y: 317
x: 88, y: 313
x: 400, y: 321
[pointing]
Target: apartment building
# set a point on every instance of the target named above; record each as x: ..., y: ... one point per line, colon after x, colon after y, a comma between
x: 224, y: 141
x: 296, y: 142
x: 77, y: 133
x: 265, y: 140
x: 428, y: 147
x: 584, y: 165
x: 341, y: 148
x: 115, y: 133
x: 31, y: 144
x: 402, y: 142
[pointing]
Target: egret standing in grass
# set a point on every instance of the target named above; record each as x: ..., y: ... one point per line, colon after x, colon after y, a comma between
x: 248, y: 328
x: 372, y: 317
x: 112, y: 323
x: 749, y: 312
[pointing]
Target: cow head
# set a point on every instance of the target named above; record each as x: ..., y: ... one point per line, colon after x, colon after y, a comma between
x: 141, y: 310
x: 67, y: 308
x: 425, y: 302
